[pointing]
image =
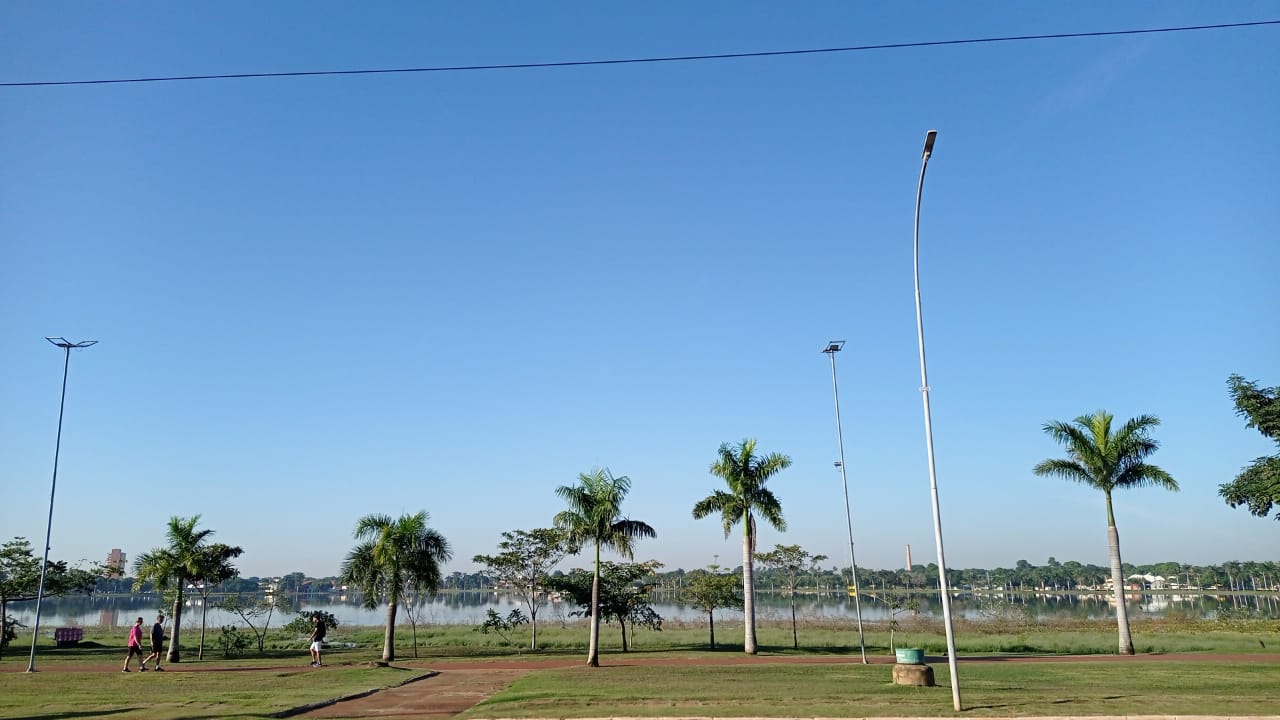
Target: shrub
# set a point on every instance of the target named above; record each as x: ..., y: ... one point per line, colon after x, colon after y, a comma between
x: 232, y: 642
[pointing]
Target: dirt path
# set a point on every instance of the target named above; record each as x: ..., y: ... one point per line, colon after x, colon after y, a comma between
x: 440, y: 696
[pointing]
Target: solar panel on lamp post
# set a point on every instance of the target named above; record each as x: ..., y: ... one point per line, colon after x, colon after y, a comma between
x: 832, y: 348
x: 67, y: 346
x: 929, y: 139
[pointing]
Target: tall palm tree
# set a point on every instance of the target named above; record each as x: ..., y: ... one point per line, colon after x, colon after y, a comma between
x: 745, y: 473
x: 595, y: 516
x: 392, y: 559
x: 171, y: 567
x: 1108, y: 461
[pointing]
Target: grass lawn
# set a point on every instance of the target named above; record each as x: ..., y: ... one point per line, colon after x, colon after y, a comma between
x: 53, y: 693
x: 855, y: 690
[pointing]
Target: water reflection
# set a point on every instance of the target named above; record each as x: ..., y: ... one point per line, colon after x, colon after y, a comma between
x: 470, y: 608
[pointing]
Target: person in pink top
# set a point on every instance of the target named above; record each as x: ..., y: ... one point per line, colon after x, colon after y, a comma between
x: 135, y: 646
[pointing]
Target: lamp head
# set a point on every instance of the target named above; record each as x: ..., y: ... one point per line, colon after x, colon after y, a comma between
x: 834, y: 346
x: 929, y: 139
x: 67, y: 344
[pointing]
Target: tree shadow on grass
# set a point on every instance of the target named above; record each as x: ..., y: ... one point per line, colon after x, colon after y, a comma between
x: 75, y: 714
x: 223, y: 716
x: 1060, y: 701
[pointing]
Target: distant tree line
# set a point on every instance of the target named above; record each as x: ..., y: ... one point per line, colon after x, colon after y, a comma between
x: 1235, y: 575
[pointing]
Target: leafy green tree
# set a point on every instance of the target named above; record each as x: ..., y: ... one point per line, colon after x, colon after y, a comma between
x: 621, y: 594
x: 171, y: 567
x: 792, y: 561
x: 709, y: 591
x: 231, y: 641
x: 20, y: 581
x: 214, y: 568
x: 254, y: 610
x: 594, y: 516
x: 393, y: 556
x: 302, y: 624
x: 292, y: 582
x: 1258, y: 485
x: 897, y: 606
x: 1108, y: 461
x: 503, y: 626
x: 745, y: 473
x: 525, y: 559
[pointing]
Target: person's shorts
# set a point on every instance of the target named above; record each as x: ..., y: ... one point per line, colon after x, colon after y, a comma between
x: 317, y: 646
x: 157, y: 647
x: 135, y: 649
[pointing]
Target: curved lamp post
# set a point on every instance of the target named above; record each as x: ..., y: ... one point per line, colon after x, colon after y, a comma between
x: 928, y: 436
x: 832, y: 348
x: 67, y: 346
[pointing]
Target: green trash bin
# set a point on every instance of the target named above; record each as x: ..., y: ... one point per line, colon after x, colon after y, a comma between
x: 910, y: 656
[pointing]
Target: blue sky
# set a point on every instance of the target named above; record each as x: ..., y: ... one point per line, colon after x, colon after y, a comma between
x: 319, y: 298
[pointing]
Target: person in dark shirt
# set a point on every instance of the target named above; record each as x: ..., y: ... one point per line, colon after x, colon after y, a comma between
x: 157, y: 643
x: 317, y: 639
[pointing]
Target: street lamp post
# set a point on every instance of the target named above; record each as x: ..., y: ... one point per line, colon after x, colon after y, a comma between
x: 66, y: 346
x: 832, y: 348
x: 930, y: 137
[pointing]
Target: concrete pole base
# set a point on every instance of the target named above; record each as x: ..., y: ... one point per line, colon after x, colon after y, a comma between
x: 920, y: 675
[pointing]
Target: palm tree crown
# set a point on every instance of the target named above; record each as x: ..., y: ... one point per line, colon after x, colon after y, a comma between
x: 1104, y: 460
x: 746, y: 474
x: 595, y: 513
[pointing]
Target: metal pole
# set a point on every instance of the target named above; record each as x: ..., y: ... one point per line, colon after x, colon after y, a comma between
x: 57, y: 447
x: 928, y: 435
x: 848, y: 516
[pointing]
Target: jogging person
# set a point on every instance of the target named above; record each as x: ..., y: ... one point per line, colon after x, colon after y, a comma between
x: 157, y: 644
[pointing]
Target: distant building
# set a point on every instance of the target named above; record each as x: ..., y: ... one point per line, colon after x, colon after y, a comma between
x: 116, y: 558
x: 1142, y: 582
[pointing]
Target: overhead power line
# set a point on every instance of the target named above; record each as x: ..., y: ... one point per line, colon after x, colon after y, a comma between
x: 636, y: 61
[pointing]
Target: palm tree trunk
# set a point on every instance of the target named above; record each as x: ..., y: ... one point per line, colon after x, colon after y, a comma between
x: 593, y: 646
x: 748, y: 591
x: 1117, y: 582
x: 204, y: 613
x: 173, y: 655
x: 389, y: 639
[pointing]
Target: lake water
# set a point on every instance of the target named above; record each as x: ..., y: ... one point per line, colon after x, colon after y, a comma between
x: 470, y: 608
